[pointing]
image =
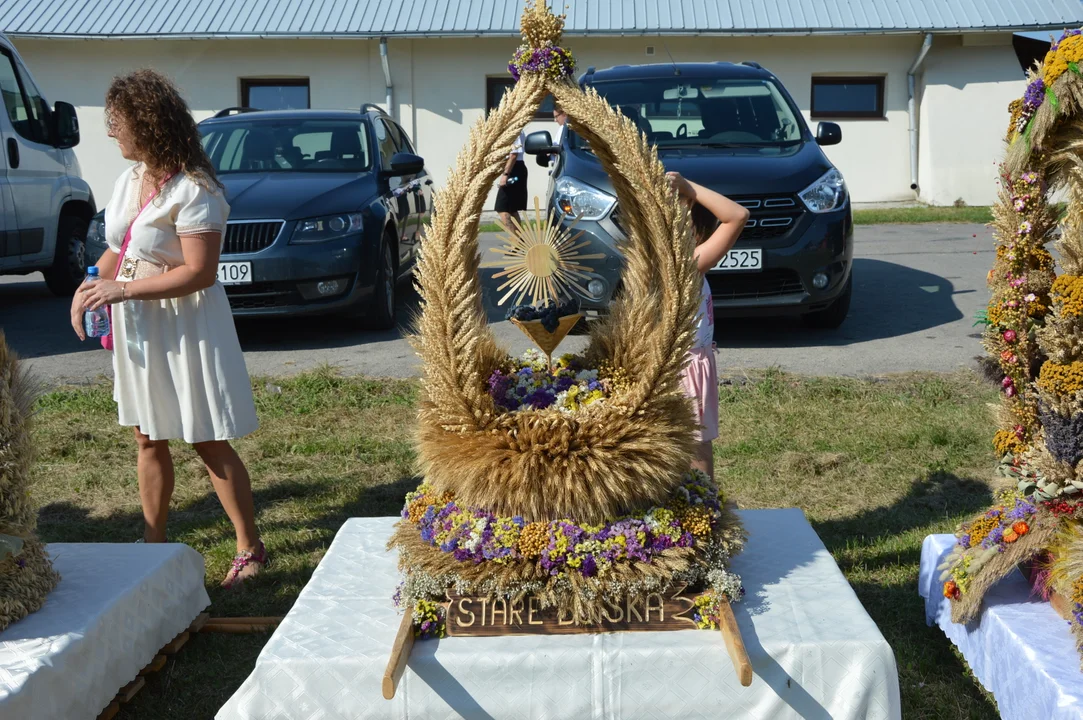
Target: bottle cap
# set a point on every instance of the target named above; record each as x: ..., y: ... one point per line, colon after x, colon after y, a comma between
x: 92, y: 271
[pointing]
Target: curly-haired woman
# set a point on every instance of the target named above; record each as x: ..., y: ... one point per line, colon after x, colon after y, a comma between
x: 178, y: 368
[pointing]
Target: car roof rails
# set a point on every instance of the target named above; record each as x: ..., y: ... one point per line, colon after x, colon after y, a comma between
x: 751, y: 64
x: 234, y: 111
x: 372, y: 107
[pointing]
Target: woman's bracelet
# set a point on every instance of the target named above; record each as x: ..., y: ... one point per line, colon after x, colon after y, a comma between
x: 123, y: 292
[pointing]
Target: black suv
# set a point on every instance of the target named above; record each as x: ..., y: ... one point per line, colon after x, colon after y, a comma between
x: 734, y: 129
x: 326, y: 209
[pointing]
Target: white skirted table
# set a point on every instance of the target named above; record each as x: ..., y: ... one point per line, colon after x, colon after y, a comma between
x: 815, y: 652
x: 1019, y: 648
x: 114, y: 609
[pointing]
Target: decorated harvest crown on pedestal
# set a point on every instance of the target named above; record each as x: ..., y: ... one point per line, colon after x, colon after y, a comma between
x: 562, y: 485
x: 1034, y: 335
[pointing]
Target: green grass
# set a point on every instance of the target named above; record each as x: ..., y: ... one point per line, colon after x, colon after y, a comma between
x: 876, y: 466
x: 923, y: 214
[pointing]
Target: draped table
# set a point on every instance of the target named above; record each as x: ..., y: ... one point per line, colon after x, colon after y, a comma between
x: 815, y: 651
x: 1019, y: 648
x: 116, y: 606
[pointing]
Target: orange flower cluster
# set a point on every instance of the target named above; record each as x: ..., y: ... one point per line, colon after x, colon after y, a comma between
x: 1007, y: 441
x: 982, y: 527
x: 1016, y: 531
x: 951, y: 590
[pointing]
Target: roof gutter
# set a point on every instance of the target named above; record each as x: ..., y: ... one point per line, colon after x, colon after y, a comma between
x: 387, y: 77
x: 911, y: 107
x: 420, y: 35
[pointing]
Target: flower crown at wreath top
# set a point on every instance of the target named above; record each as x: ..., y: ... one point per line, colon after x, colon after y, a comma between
x: 552, y: 60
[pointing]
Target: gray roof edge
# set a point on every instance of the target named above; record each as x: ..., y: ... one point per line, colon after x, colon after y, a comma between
x: 444, y: 34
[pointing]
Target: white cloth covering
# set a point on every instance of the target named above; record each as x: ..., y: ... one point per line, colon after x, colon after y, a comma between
x: 114, y: 609
x: 815, y: 651
x: 179, y: 372
x: 1018, y: 648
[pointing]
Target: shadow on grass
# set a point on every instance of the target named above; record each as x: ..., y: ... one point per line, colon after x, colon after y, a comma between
x: 885, y: 580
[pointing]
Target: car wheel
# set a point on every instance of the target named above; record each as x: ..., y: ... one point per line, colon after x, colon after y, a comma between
x: 385, y: 293
x: 69, y: 262
x: 834, y: 314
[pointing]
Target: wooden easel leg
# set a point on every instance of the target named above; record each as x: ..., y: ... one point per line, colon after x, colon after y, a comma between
x: 400, y: 653
x: 734, y: 644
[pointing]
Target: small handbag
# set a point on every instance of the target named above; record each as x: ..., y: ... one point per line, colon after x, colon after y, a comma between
x: 107, y: 339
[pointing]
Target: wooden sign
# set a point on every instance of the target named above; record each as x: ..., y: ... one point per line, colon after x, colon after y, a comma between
x: 473, y: 616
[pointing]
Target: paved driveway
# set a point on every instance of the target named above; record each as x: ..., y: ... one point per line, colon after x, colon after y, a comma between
x: 917, y: 288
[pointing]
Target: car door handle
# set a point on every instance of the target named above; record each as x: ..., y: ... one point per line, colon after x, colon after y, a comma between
x: 13, y: 153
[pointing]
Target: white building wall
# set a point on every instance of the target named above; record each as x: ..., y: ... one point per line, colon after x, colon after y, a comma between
x: 439, y: 93
x: 968, y: 83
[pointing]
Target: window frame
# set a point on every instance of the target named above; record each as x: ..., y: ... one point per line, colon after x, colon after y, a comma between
x: 491, y: 81
x: 32, y: 122
x: 880, y: 81
x: 248, y: 83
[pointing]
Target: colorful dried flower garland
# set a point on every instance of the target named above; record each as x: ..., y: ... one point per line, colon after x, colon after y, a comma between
x: 563, y: 546
x: 1064, y: 55
x: 983, y: 538
x: 527, y: 383
x: 1021, y: 285
x: 556, y: 62
x: 563, y: 549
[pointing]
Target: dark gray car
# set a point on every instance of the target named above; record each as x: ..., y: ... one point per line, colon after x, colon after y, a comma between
x: 734, y: 129
x: 326, y: 209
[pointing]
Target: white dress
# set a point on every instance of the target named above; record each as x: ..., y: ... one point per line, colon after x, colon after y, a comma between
x: 178, y: 368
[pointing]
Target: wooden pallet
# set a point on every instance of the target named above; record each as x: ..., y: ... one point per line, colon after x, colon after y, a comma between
x: 130, y: 690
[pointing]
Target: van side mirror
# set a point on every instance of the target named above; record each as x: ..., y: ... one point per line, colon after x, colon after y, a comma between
x: 404, y: 163
x: 828, y: 133
x: 65, y: 126
x: 539, y: 143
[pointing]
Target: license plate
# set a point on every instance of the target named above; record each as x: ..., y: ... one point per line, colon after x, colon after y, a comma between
x: 235, y: 273
x: 742, y: 259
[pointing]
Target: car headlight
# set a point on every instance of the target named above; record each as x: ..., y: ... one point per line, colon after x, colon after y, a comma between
x: 322, y: 229
x: 96, y: 232
x: 826, y: 194
x: 577, y: 199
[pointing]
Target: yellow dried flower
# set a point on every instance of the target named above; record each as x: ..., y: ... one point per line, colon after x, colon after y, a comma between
x: 1061, y: 380
x: 696, y: 520
x: 1067, y: 292
x: 533, y: 539
x: 1005, y: 442
x: 982, y: 527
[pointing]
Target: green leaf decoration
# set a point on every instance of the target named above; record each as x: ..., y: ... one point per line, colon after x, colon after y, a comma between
x: 981, y: 318
x: 10, y: 545
x: 1074, y: 67
x: 1052, y: 98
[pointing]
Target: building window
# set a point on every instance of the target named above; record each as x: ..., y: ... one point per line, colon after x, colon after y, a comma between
x: 494, y: 91
x: 291, y: 94
x: 847, y: 97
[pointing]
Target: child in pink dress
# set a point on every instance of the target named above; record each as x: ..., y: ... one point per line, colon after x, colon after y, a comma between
x: 716, y: 223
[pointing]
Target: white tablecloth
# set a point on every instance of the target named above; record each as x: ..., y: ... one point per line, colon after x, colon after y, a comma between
x: 1019, y: 648
x: 115, y: 607
x: 815, y: 651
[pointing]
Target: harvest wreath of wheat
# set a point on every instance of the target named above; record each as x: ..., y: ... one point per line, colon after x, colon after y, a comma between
x: 557, y: 494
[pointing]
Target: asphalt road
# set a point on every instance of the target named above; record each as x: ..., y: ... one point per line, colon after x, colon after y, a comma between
x: 916, y: 291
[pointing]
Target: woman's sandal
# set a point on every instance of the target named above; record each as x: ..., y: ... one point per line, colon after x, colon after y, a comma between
x: 242, y: 561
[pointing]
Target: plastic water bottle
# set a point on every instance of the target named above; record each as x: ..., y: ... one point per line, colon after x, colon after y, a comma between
x: 95, y: 322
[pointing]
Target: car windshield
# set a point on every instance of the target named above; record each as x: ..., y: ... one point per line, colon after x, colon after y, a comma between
x: 705, y: 112
x: 250, y: 145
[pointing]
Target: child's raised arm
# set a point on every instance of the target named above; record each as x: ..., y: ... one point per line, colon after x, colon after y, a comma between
x: 731, y: 220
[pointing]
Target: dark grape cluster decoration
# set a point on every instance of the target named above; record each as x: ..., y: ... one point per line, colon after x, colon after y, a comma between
x: 548, y: 313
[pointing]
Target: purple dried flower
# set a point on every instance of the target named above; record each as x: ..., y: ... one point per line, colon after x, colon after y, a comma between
x: 1034, y: 95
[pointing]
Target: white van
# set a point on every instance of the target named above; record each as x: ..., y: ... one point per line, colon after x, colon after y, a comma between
x: 45, y: 205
